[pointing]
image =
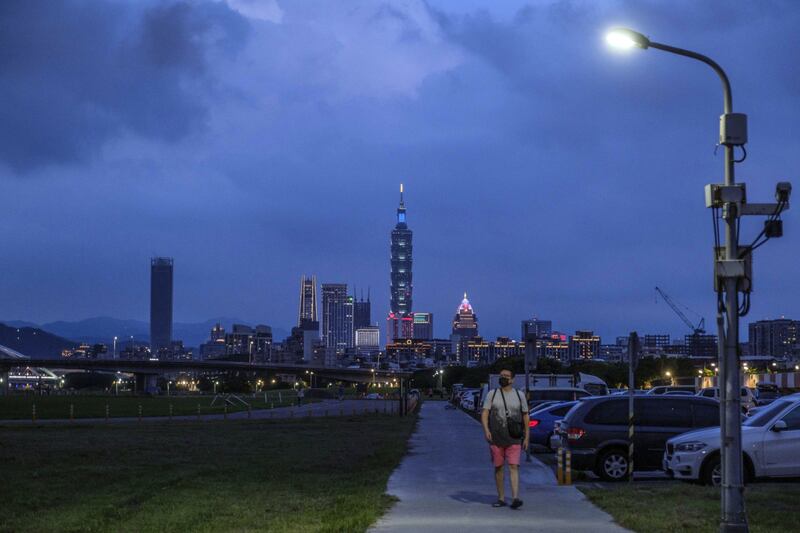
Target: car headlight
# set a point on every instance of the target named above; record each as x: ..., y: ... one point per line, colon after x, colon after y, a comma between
x: 690, y: 446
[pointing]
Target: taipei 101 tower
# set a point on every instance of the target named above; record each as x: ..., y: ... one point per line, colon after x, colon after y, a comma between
x: 400, y: 321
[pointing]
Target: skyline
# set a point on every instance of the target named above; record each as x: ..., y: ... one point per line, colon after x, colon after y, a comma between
x: 512, y: 195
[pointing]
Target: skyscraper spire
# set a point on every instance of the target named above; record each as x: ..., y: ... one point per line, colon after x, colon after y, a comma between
x: 401, y: 210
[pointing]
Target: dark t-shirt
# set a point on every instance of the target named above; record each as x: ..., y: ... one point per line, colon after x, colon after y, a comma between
x: 497, y: 414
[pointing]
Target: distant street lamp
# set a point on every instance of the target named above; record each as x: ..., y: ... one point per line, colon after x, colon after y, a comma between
x: 114, y: 356
x: 215, y: 386
x: 732, y: 274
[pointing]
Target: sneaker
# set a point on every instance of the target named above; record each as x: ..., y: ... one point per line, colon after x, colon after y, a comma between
x: 516, y: 504
x: 499, y: 503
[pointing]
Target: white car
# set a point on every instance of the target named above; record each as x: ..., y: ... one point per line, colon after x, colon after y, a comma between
x: 770, y: 442
x: 748, y: 396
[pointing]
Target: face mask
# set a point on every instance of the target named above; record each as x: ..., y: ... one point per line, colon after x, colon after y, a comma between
x: 504, y: 381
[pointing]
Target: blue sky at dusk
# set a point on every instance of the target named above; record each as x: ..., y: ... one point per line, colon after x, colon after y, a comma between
x: 257, y: 141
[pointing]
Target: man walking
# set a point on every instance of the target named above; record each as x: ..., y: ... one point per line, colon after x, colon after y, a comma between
x: 505, y: 422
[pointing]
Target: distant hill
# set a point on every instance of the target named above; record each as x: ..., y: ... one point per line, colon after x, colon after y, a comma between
x: 104, y: 329
x: 34, y: 342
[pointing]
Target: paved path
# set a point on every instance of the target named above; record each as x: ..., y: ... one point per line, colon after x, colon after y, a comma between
x: 316, y: 409
x: 445, y: 483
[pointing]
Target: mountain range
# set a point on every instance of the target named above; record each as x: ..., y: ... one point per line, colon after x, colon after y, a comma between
x: 33, y: 342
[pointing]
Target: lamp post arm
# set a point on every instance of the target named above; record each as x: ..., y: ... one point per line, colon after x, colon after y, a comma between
x: 726, y: 85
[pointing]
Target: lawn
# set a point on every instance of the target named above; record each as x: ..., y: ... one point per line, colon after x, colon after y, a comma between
x: 291, y: 475
x: 667, y: 507
x: 20, y: 406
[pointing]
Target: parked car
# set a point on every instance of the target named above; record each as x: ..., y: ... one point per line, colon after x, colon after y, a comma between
x: 539, y: 396
x: 663, y: 389
x: 748, y: 396
x: 542, y: 422
x: 596, y: 430
x: 770, y: 444
x: 679, y: 393
x: 766, y: 393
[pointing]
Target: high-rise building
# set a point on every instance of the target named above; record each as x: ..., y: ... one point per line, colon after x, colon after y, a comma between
x: 536, y: 328
x: 160, y: 303
x: 465, y: 323
x: 658, y: 340
x: 362, y: 311
x: 700, y: 345
x: 423, y: 326
x: 583, y: 345
x: 308, y: 300
x: 368, y: 340
x: 775, y: 338
x: 337, y: 317
x: 401, y: 288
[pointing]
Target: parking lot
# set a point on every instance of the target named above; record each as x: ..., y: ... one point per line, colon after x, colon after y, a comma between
x: 676, y: 433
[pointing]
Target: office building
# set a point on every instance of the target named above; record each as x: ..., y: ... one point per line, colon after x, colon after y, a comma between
x: 536, y: 328
x: 775, y: 338
x: 368, y: 340
x: 161, y: 269
x: 584, y: 345
x: 655, y: 341
x: 308, y: 300
x: 337, y: 317
x: 362, y: 311
x: 465, y: 323
x: 401, y: 287
x: 701, y: 346
x: 423, y: 326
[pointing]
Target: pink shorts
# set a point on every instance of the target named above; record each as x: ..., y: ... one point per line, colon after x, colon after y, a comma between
x: 508, y: 454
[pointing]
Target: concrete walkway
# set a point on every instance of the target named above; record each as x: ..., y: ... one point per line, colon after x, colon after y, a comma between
x: 446, y: 483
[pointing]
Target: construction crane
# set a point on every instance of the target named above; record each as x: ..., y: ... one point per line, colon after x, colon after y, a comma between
x: 699, y: 329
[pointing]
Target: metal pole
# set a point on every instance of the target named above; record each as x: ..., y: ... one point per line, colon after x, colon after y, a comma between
x: 633, y: 352
x: 734, y: 518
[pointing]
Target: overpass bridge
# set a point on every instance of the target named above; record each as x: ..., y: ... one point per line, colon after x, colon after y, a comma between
x: 147, y: 370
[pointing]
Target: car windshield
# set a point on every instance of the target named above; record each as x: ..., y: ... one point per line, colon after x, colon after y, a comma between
x: 762, y: 418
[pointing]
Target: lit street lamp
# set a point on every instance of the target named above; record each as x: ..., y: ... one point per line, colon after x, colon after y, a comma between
x: 732, y: 274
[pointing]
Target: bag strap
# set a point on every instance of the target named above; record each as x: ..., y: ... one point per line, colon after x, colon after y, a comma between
x: 505, y: 406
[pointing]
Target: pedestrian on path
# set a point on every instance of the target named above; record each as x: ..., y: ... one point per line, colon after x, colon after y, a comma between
x: 505, y: 423
x: 301, y: 393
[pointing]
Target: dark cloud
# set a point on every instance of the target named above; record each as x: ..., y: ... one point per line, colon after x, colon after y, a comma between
x: 77, y: 74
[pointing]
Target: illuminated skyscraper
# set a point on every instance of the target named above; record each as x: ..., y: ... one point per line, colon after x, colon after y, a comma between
x: 160, y: 303
x: 337, y: 317
x: 308, y: 300
x: 402, y: 285
x: 401, y: 278
x: 465, y: 323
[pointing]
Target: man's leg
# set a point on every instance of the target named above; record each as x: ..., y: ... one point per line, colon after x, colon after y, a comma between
x: 514, y: 474
x: 500, y: 482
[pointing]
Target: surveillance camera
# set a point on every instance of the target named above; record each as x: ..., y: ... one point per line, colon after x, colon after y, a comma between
x: 782, y: 191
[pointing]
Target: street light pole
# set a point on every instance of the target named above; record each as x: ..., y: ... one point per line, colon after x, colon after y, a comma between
x: 729, y: 277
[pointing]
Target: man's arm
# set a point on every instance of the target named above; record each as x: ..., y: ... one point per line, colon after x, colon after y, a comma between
x: 526, y: 423
x: 485, y: 424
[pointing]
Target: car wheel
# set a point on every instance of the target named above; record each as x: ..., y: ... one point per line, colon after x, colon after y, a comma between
x: 613, y: 465
x: 712, y: 472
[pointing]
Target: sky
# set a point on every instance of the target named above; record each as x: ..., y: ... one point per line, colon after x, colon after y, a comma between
x: 255, y: 141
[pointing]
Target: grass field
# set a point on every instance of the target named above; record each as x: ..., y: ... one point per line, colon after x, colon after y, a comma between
x: 303, y: 475
x: 18, y: 406
x: 667, y: 507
